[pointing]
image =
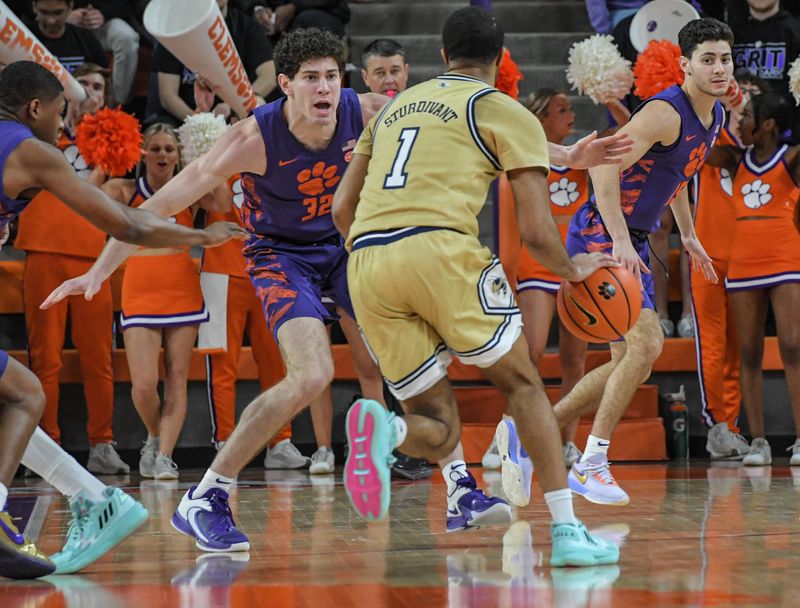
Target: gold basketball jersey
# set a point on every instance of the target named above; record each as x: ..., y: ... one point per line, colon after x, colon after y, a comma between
x: 435, y: 149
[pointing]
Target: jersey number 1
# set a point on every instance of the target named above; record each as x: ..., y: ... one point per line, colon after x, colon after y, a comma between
x: 397, y: 178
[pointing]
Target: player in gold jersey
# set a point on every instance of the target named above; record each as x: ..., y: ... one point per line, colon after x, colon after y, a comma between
x: 423, y: 286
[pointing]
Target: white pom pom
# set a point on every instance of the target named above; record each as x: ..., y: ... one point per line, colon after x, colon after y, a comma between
x: 794, y: 80
x: 198, y: 133
x: 598, y: 70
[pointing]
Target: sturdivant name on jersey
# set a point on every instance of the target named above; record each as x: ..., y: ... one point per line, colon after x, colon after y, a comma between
x: 435, y: 108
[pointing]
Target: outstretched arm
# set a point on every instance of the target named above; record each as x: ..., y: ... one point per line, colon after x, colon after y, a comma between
x: 240, y: 149
x: 539, y: 232
x: 656, y: 122
x: 46, y: 168
x: 683, y: 217
x: 590, y: 152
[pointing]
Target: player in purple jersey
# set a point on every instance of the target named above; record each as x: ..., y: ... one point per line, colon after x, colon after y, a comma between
x: 291, y: 154
x: 673, y: 133
x: 31, y: 105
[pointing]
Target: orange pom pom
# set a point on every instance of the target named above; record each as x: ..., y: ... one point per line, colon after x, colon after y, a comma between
x: 508, y: 76
x: 110, y: 140
x: 657, y: 68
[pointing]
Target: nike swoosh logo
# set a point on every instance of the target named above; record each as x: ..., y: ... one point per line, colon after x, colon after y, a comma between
x: 582, y: 477
x: 191, y: 517
x: 225, y: 483
x: 590, y: 318
x: 452, y: 511
x: 690, y: 137
x: 283, y: 163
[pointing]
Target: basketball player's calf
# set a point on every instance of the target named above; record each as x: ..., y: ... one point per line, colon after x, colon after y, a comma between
x: 534, y: 425
x: 591, y: 476
x: 22, y: 403
x: 306, y: 353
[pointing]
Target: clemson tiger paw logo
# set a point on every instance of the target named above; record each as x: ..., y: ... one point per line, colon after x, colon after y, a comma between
x: 726, y: 182
x: 606, y: 290
x: 238, y: 193
x: 756, y: 194
x: 75, y: 158
x: 696, y: 159
x: 564, y: 192
x: 316, y: 180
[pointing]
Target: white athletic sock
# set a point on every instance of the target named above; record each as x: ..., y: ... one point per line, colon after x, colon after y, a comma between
x: 45, y: 457
x: 595, y: 445
x: 3, y: 497
x: 400, y: 430
x: 452, y: 473
x: 560, y: 504
x: 214, y: 480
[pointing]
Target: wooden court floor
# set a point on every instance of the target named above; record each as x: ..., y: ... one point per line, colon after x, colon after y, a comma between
x: 692, y: 536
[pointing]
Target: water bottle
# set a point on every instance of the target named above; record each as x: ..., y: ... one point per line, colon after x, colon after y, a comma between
x: 678, y: 429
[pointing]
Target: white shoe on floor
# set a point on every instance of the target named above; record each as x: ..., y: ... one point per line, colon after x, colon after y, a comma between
x: 104, y: 460
x: 148, y: 454
x: 760, y: 454
x: 571, y: 454
x: 165, y: 468
x: 285, y: 455
x: 322, y: 462
x: 492, y: 460
x: 794, y: 461
x: 723, y: 444
x: 686, y: 327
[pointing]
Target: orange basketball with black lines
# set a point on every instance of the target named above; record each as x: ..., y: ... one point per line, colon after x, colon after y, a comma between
x: 603, y: 307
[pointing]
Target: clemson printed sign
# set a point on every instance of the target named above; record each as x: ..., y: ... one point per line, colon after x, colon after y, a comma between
x: 196, y: 33
x: 17, y: 43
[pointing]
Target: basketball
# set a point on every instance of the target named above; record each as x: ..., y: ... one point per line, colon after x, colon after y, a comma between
x: 601, y: 308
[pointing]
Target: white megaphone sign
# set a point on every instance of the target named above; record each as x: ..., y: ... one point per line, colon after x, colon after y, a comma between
x: 17, y: 43
x: 195, y: 32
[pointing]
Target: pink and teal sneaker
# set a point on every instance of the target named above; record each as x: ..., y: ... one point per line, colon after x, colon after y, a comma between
x: 368, y: 469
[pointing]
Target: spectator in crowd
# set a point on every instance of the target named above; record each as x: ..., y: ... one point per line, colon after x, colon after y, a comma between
x: 384, y: 67
x: 766, y: 42
x: 278, y: 16
x: 108, y: 20
x: 72, y: 45
x: 58, y: 243
x: 171, y: 95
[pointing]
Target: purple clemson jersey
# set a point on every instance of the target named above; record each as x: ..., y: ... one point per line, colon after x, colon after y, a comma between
x: 12, y: 134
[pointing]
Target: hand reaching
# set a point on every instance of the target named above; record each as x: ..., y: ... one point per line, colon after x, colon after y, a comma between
x: 700, y: 259
x: 590, y: 152
x: 86, y: 285
x: 586, y: 263
x: 221, y: 232
x: 626, y: 255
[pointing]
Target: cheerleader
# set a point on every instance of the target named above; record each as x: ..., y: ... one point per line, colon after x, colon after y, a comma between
x: 765, y: 257
x: 162, y: 305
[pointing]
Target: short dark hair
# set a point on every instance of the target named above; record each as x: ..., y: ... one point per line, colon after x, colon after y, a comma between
x: 743, y: 75
x: 305, y: 44
x: 772, y: 105
x: 382, y: 47
x: 472, y: 33
x: 23, y: 81
x: 92, y: 68
x: 698, y: 31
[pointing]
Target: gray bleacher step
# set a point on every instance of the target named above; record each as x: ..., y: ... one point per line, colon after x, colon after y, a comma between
x: 525, y: 48
x: 535, y: 75
x: 383, y: 19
